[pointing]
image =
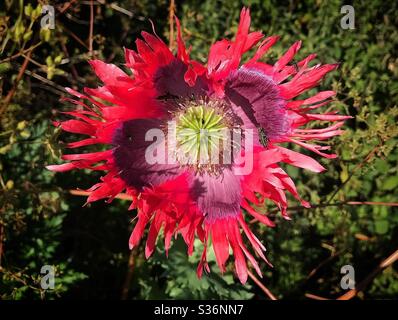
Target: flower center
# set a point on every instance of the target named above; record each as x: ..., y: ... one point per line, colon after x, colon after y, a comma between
x: 203, y: 135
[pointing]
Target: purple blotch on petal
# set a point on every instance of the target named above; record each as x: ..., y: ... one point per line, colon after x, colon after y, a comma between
x: 255, y: 98
x: 169, y: 80
x: 129, y: 155
x: 217, y: 196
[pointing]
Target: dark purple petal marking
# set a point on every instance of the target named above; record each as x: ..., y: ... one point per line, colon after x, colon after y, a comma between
x: 255, y: 98
x: 129, y: 155
x: 169, y: 80
x: 217, y: 196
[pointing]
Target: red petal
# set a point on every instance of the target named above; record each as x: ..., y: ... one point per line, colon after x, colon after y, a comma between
x: 262, y: 218
x: 138, y: 230
x: 76, y: 126
x: 288, y: 56
x: 220, y: 243
x: 240, y: 261
x: 153, y: 234
x: 300, y: 160
x: 61, y: 167
x: 110, y: 74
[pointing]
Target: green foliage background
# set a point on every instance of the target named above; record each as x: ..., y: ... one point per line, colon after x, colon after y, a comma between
x: 41, y: 223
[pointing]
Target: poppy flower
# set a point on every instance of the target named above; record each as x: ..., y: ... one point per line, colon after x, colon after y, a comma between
x: 197, y: 199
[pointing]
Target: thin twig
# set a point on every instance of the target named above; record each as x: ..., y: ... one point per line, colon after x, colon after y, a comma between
x: 74, y: 36
x: 315, y: 297
x: 66, y: 6
x: 323, y: 263
x: 372, y: 203
x: 121, y: 196
x: 261, y: 286
x: 11, y: 93
x: 75, y: 75
x: 129, y: 275
x: 172, y: 9
x: 61, y: 90
x: 1, y: 241
x: 21, y: 53
x: 117, y: 8
x: 90, y: 39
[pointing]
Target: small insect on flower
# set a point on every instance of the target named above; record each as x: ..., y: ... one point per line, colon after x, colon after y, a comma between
x: 295, y: 65
x: 263, y: 137
x: 166, y: 127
